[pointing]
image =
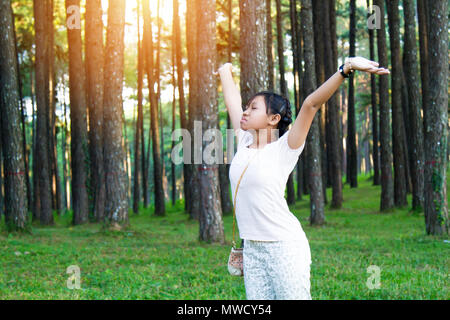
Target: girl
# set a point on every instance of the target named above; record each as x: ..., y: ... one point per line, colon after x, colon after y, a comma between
x: 276, y: 251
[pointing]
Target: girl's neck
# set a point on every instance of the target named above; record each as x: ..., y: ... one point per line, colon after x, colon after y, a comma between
x: 262, y: 137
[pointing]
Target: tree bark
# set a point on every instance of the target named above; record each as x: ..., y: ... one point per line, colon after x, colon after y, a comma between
x: 227, y: 206
x: 180, y: 78
x: 253, y: 48
x: 297, y: 49
x: 94, y: 94
x: 320, y: 78
x: 174, y: 84
x: 192, y: 195
x: 116, y: 202
x: 65, y: 155
x: 398, y: 137
x: 436, y: 130
x: 423, y: 47
x: 373, y: 97
x: 352, y: 167
x: 387, y: 186
x: 42, y: 170
x: 332, y: 115
x: 283, y: 89
x: 160, y: 114
x: 317, y: 216
x: 154, y: 127
x: 271, y: 85
x: 414, y: 107
x: 16, y: 206
x: 139, y: 122
x: 2, y: 197
x: 211, y: 224
x: 51, y: 102
x: 24, y: 137
x: 78, y: 126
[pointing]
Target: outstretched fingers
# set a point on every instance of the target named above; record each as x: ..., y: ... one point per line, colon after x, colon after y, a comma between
x: 383, y: 71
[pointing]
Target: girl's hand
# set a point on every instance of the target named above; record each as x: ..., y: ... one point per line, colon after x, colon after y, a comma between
x: 363, y: 64
x: 226, y: 66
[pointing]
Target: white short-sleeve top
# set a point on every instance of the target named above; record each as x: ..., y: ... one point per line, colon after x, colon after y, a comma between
x: 261, y: 209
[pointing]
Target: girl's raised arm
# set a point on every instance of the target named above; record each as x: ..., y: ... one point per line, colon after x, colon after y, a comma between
x: 232, y: 96
x: 300, y: 128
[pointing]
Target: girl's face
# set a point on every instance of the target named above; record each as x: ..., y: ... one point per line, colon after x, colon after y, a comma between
x: 255, y: 116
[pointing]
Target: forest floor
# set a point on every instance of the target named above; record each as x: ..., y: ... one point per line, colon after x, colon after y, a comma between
x: 161, y: 257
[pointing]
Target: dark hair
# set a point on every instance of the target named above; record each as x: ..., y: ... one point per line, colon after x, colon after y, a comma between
x: 276, y: 104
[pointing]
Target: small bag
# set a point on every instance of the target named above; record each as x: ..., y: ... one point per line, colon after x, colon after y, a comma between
x: 235, y: 262
x: 236, y: 258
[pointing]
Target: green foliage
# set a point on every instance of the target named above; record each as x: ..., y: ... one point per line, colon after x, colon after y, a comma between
x: 162, y: 258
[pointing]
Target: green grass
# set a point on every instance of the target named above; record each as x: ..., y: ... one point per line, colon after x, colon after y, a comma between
x: 161, y: 258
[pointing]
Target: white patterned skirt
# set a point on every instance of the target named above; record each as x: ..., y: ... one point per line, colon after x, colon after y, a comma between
x: 277, y: 270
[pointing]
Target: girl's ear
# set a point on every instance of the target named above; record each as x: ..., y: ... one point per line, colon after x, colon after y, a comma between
x: 274, y: 119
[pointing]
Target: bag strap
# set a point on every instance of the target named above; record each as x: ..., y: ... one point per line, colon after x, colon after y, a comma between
x: 234, y: 205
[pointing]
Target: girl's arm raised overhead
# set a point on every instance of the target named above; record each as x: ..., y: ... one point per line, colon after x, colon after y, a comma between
x: 300, y: 128
x: 232, y: 96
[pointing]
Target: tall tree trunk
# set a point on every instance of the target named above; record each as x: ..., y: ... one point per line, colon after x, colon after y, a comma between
x: 407, y: 126
x: 253, y: 48
x: 398, y: 137
x: 42, y: 170
x: 320, y: 78
x: 154, y: 127
x: 16, y: 214
x: 146, y: 154
x: 77, y: 118
x: 192, y: 195
x: 334, y: 48
x: 414, y: 100
x: 227, y: 206
x: 317, y: 216
x: 423, y: 47
x: 174, y: 85
x: 211, y: 224
x: 387, y: 185
x: 332, y: 114
x: 283, y: 89
x: 373, y: 97
x: 280, y: 50
x: 51, y: 85
x: 127, y: 160
x: 297, y: 50
x: 36, y: 203
x: 2, y: 207
x: 270, y: 65
x: 180, y: 78
x: 2, y: 198
x: 116, y: 202
x: 139, y: 122
x: 436, y: 130
x: 161, y: 120
x: 24, y: 136
x: 94, y: 94
x: 352, y: 168
x: 66, y: 187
